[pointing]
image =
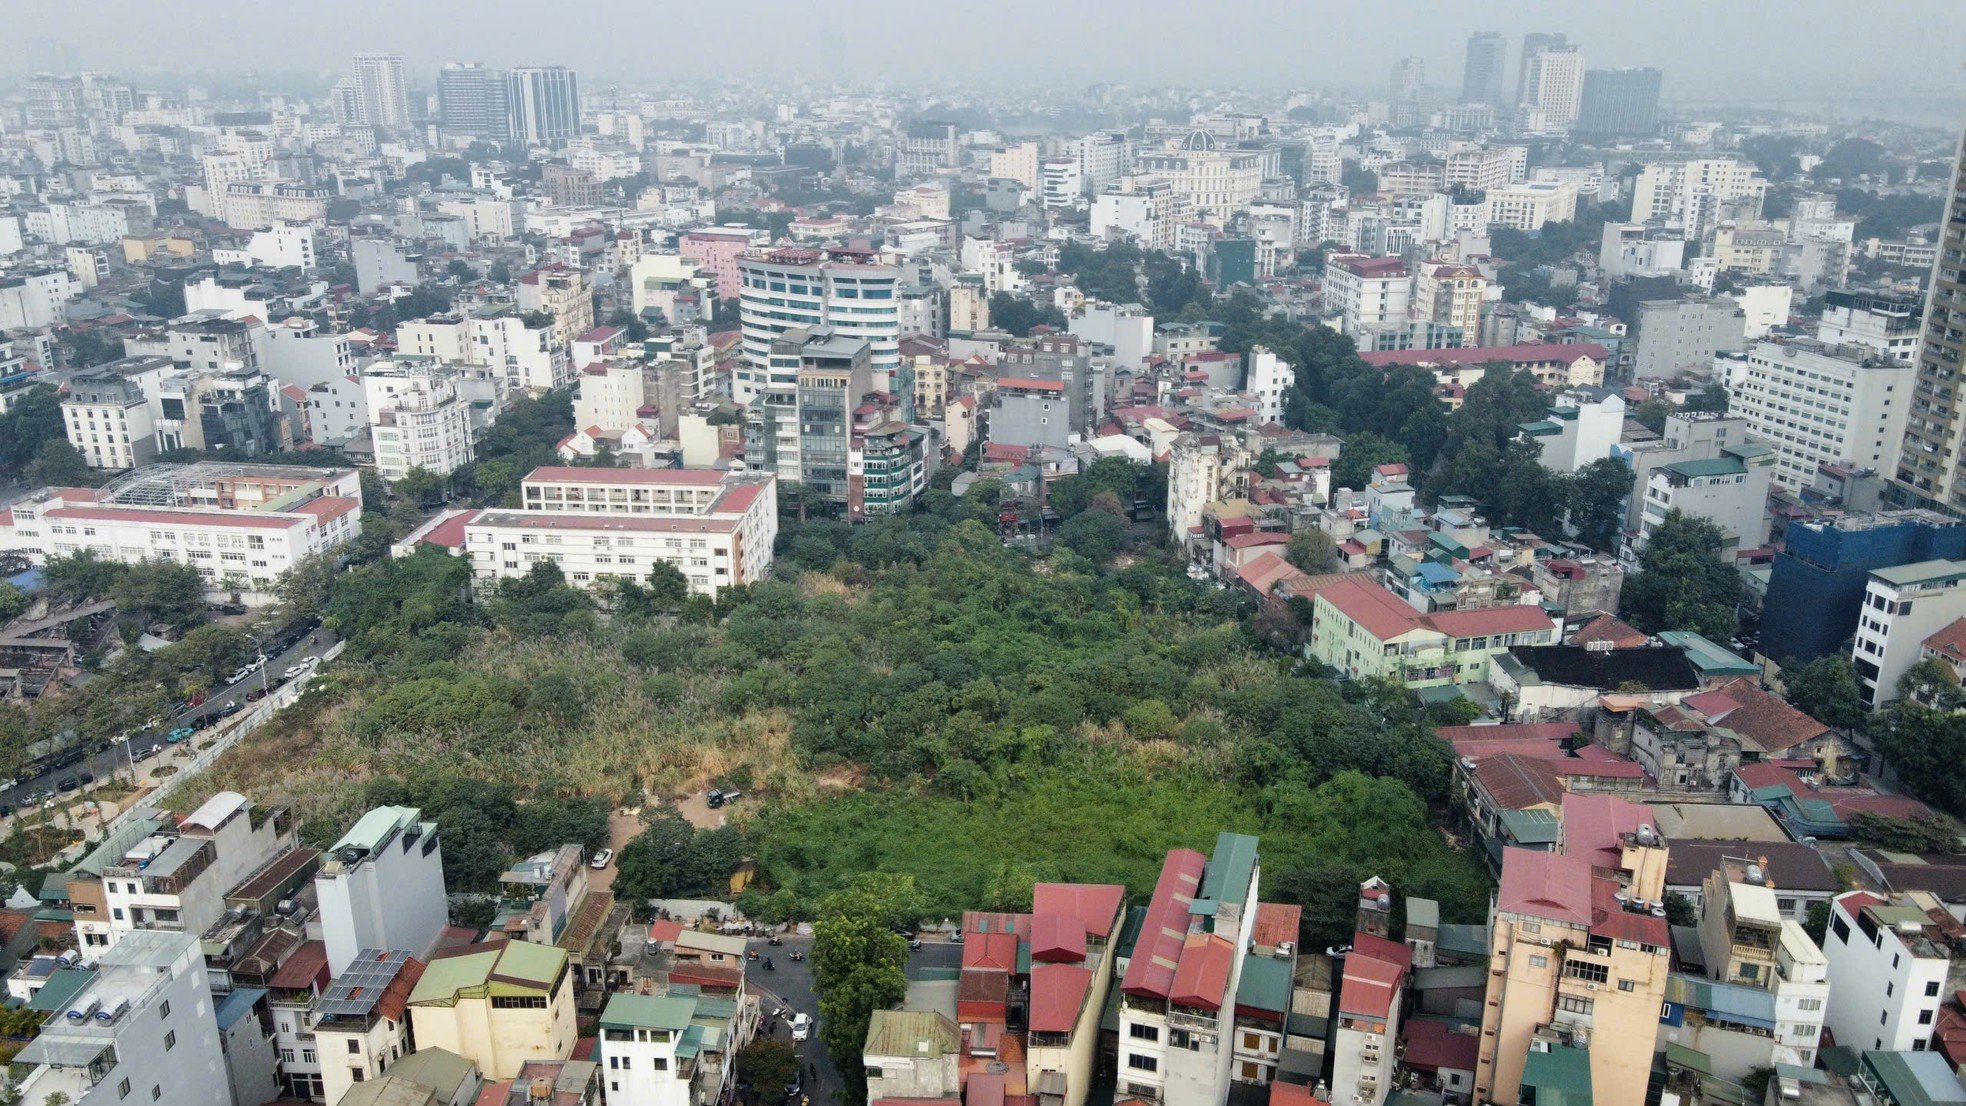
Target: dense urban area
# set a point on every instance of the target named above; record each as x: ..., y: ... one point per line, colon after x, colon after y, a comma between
x: 527, y: 592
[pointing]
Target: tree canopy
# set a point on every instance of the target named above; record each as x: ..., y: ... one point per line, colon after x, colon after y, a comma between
x: 1682, y: 582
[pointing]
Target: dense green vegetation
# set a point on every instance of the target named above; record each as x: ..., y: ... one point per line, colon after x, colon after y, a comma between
x: 1683, y: 582
x: 1923, y: 734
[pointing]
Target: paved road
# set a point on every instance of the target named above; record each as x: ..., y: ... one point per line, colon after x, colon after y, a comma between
x: 790, y: 981
x: 113, y: 759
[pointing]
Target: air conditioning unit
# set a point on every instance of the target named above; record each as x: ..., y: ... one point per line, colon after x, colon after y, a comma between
x: 1594, y: 986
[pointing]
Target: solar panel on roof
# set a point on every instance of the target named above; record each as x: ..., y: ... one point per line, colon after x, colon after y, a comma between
x: 355, y: 992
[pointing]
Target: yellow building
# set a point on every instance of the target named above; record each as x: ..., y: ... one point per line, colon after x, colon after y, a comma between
x: 497, y: 1006
x: 1579, y: 957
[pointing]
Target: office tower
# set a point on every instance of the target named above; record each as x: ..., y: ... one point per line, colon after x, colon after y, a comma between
x: 543, y: 104
x: 1481, y: 77
x: 1556, y: 85
x: 1409, y: 79
x: 1533, y: 44
x: 382, y: 92
x: 1619, y: 103
x: 1928, y: 465
x: 471, y: 100
x: 793, y: 288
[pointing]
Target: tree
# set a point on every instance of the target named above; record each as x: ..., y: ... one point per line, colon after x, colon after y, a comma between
x: 670, y: 857
x: 1926, y: 746
x: 1312, y: 551
x: 80, y: 577
x: 1827, y: 690
x: 59, y: 464
x: 165, y: 591
x: 1018, y: 314
x: 1597, y: 502
x: 858, y: 966
x: 1682, y: 582
x: 13, y: 602
x: 767, y: 1066
x: 1094, y: 535
x: 1364, y: 452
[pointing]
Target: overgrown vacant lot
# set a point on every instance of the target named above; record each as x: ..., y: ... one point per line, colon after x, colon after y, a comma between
x: 906, y: 697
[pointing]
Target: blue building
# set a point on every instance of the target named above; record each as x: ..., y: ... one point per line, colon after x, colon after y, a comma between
x: 1816, y: 584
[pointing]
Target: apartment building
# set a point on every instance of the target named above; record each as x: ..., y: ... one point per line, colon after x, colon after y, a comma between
x: 107, y: 419
x: 140, y: 1028
x: 1449, y: 296
x: 837, y: 289
x: 562, y: 292
x: 382, y: 887
x: 1729, y: 490
x: 1579, y: 956
x: 1363, y: 630
x: 1748, y: 944
x: 150, y: 877
x: 1699, y: 194
x: 1582, y: 427
x: 1177, y: 994
x: 716, y: 527
x: 515, y: 355
x: 418, y: 418
x: 361, y: 1022
x: 498, y: 1006
x: 1929, y: 464
x: 1144, y: 208
x: 240, y: 525
x: 1366, y: 1031
x: 1887, y: 970
x: 1888, y: 325
x: 1903, y: 606
x: 1678, y: 335
x: 1817, y: 404
x: 669, y: 1050
x: 1367, y: 293
x: 912, y: 1054
x: 1486, y: 168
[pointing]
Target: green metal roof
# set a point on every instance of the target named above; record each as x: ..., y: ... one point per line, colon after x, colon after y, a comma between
x: 439, y: 1069
x: 1539, y: 429
x: 445, y: 976
x: 1230, y: 868
x: 113, y: 848
x: 63, y: 984
x: 911, y: 1033
x: 1689, y: 1058
x: 1915, y: 1078
x: 1711, y: 466
x: 1265, y: 984
x: 648, y: 1012
x: 1706, y: 656
x: 1922, y: 572
x: 520, y: 965
x: 1561, y: 1076
x: 1422, y: 912
x: 375, y: 827
x: 1531, y: 827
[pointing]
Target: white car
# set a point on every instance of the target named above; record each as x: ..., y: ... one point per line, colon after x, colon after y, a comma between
x: 801, y: 1026
x: 601, y: 859
x: 296, y: 669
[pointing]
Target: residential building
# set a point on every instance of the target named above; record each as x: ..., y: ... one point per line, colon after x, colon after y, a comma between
x: 1483, y: 71
x: 141, y: 1025
x: 471, y: 101
x: 1748, y: 945
x: 1887, y: 969
x: 1903, y: 606
x: 240, y: 525
x: 1730, y: 491
x: 1582, y: 427
x: 382, y: 887
x: 1818, y: 404
x: 1555, y: 365
x: 1818, y: 583
x: 1698, y: 195
x: 1016, y: 161
x: 671, y: 1050
x: 1929, y: 464
x: 1215, y: 181
x: 1144, y: 208
x: 1178, y: 991
x: 1485, y: 168
x: 1060, y: 188
x: 498, y: 1006
x: 1680, y: 335
x: 108, y: 419
x: 681, y: 290
x: 150, y: 877
x: 417, y: 417
x: 1363, y: 630
x: 33, y: 299
x: 568, y: 186
x: 1531, y: 204
x: 1267, y: 378
x: 1579, y: 955
x: 1104, y: 157
x: 912, y: 1054
x: 265, y: 204
x: 1886, y: 324
x: 717, y: 528
x: 1553, y: 84
x: 1367, y: 293
x: 1638, y: 250
x: 542, y: 104
x: 563, y: 293
x: 717, y: 250
x: 361, y: 1022
x: 1366, y: 1030
x: 1450, y: 296
x: 382, y: 92
x: 1619, y: 103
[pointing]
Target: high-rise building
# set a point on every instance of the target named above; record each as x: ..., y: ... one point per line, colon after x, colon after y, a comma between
x: 1928, y: 465
x: 1556, y: 84
x: 1409, y: 79
x: 382, y: 887
x: 471, y: 100
x: 1619, y: 103
x: 1481, y: 77
x: 382, y: 91
x: 542, y: 104
x: 788, y: 289
x: 1533, y: 44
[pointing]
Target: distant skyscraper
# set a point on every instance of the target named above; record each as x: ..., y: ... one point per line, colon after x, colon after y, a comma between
x: 542, y: 104
x: 1929, y: 473
x: 1409, y: 79
x: 1619, y: 103
x: 382, y: 92
x: 1481, y: 78
x: 1533, y: 44
x: 471, y: 100
x: 1556, y: 84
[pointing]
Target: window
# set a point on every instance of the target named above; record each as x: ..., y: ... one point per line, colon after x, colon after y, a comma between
x: 164, y: 1010
x: 518, y: 1002
x: 123, y: 1088
x: 156, y: 1092
x: 1627, y: 985
x: 286, y: 1056
x: 356, y: 1075
x: 1141, y: 1063
x: 1586, y: 970
x: 1809, y: 1004
x: 1573, y: 1004
x: 1143, y: 1032
x: 170, y: 1040
x: 354, y: 1045
x: 1932, y: 988
x: 1925, y: 1017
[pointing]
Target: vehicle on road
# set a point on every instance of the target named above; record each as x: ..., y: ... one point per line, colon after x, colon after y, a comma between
x: 146, y: 754
x: 601, y: 859
x: 296, y: 669
x: 798, y: 954
x: 87, y: 777
x: 795, y: 1088
x: 230, y: 708
x: 801, y: 1026
x: 68, y: 783
x: 180, y: 734
x: 768, y: 966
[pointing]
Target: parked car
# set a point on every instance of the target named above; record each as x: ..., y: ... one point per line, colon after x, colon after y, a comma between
x: 67, y: 783
x: 601, y: 859
x: 720, y: 798
x: 87, y: 777
x: 801, y: 1026
x: 230, y: 708
x: 180, y: 734
x: 296, y: 669
x: 146, y: 754
x: 714, y: 798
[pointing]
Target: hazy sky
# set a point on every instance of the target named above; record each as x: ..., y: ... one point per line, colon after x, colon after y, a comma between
x: 1759, y: 49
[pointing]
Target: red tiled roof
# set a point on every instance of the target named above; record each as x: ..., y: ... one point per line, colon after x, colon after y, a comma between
x: 1513, y: 731
x: 1609, y: 918
x: 1202, y: 980
x: 1950, y: 640
x: 307, y: 966
x: 599, y: 334
x: 568, y: 474
x: 1517, y: 782
x: 1255, y: 537
x: 1293, y: 1094
x: 1595, y: 825
x: 1519, y: 618
x: 996, y: 952
x: 1030, y: 385
x: 327, y: 508
x: 450, y: 532
x: 1762, y: 774
x: 1276, y: 923
x: 1005, y: 453
x: 1095, y: 905
x: 1435, y: 1045
x: 1766, y: 719
x: 1157, y: 953
x: 1266, y: 570
x: 1057, y: 937
x: 1523, y: 353
x: 173, y: 518
x: 1610, y: 628
x: 1058, y: 994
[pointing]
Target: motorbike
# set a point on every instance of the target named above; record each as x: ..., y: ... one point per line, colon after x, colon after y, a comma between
x: 768, y: 966
x: 750, y: 954
x: 797, y: 955
x: 773, y: 940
